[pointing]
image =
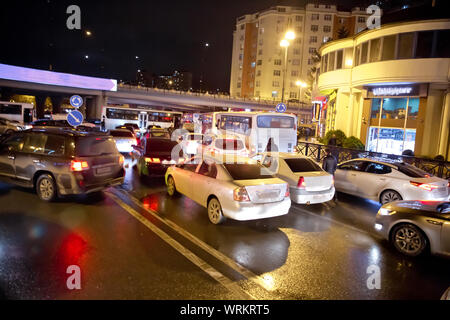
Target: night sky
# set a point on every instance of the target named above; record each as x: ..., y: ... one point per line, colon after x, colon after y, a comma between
x: 166, y: 35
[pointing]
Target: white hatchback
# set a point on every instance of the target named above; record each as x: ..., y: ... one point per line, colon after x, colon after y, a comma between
x: 386, y: 182
x: 308, y: 182
x: 243, y: 190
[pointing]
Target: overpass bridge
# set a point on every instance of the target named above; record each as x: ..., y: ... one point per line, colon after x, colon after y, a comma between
x: 99, y: 92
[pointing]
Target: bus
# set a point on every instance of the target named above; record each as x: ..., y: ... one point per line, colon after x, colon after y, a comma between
x: 24, y: 113
x: 113, y: 117
x: 254, y: 128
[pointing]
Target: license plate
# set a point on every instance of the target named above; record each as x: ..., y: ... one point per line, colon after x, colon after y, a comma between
x: 268, y: 195
x: 103, y: 170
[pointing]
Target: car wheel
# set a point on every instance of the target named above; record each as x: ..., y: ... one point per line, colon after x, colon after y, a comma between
x: 389, y: 196
x: 215, y: 213
x: 46, y: 187
x: 171, y: 188
x: 409, y: 240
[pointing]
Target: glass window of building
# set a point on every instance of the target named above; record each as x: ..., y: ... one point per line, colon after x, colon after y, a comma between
x: 298, y: 18
x: 325, y: 63
x: 339, y: 57
x: 311, y: 50
x: 326, y: 28
x: 276, y: 72
x: 314, y: 27
x: 443, y: 44
x: 375, y: 46
x: 331, y: 61
x: 388, y: 48
x: 394, y: 108
x: 357, y: 54
x: 413, y: 108
x: 375, y: 108
x: 424, y: 44
x: 405, y: 45
x: 364, y: 52
x: 348, y: 57
x: 275, y: 83
x: 327, y: 17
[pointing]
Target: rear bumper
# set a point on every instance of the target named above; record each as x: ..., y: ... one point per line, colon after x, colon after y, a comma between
x: 155, y: 169
x: 75, y: 184
x: 305, y: 197
x: 252, y: 211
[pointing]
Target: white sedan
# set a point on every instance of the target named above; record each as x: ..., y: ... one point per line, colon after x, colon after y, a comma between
x: 308, y: 182
x: 190, y: 142
x: 243, y: 190
x: 125, y: 140
x: 227, y: 146
x: 386, y: 182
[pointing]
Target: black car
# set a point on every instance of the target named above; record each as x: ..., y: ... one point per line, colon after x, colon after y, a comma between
x: 60, y: 161
x: 154, y: 156
x: 50, y: 123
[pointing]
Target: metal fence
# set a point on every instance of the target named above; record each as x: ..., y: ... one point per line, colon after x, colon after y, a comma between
x: 318, y: 152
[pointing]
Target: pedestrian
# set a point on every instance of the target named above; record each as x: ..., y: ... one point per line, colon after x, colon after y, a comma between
x: 330, y: 165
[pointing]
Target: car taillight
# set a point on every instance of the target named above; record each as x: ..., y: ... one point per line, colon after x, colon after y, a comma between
x: 240, y: 194
x: 287, y: 194
x: 77, y: 165
x: 424, y: 186
x: 152, y: 160
x: 121, y: 159
x: 301, y: 183
x: 332, y: 180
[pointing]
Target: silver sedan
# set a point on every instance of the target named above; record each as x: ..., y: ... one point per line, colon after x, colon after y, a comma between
x: 414, y: 227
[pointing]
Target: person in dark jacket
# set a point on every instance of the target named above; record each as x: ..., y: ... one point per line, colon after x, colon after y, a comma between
x: 330, y: 165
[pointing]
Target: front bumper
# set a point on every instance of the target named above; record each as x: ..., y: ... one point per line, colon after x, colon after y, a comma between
x: 302, y: 196
x: 244, y: 211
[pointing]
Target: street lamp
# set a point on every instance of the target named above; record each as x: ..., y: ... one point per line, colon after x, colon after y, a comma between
x: 284, y: 43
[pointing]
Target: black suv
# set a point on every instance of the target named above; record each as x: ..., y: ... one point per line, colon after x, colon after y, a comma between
x: 60, y: 161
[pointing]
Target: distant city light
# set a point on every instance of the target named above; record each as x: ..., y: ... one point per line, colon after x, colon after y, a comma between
x: 88, y: 33
x: 290, y: 35
x: 207, y: 44
x: 137, y: 57
x: 86, y: 57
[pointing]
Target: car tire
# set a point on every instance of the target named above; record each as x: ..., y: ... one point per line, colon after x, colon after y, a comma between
x: 215, y: 213
x: 390, y: 196
x: 409, y: 240
x: 46, y: 187
x: 171, y: 187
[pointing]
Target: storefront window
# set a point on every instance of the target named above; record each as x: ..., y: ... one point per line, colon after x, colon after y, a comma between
x: 375, y: 110
x: 391, y: 140
x: 388, y: 48
x: 394, y: 108
x: 413, y: 108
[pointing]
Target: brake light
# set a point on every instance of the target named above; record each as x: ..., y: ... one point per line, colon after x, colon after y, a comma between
x: 287, y: 194
x: 424, y: 186
x: 241, y: 195
x: 301, y: 183
x: 77, y: 165
x: 152, y: 160
x: 121, y: 159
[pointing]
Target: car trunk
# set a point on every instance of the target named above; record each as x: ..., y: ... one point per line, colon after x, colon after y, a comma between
x: 315, y: 180
x: 264, y: 190
x: 441, y: 184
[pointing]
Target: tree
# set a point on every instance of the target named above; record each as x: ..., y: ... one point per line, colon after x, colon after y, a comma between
x: 343, y: 33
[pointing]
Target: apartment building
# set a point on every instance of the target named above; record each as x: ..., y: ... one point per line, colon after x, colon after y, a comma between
x: 258, y: 61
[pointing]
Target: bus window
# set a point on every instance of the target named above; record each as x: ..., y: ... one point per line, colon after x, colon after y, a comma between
x: 10, y: 109
x: 281, y: 122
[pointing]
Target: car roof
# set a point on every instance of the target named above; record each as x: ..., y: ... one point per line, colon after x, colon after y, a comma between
x: 219, y: 158
x: 392, y: 164
x: 67, y: 131
x: 286, y: 155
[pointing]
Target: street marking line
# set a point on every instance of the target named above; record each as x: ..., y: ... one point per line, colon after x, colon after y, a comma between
x: 342, y: 224
x: 214, y: 252
x: 213, y: 273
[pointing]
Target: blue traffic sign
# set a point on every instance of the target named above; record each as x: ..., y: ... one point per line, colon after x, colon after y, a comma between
x: 76, y: 101
x: 281, y: 107
x: 75, y: 118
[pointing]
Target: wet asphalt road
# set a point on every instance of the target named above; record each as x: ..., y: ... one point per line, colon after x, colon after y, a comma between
x: 135, y: 242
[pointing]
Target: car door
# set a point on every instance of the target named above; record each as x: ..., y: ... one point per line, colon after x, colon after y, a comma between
x: 372, y: 180
x: 28, y: 160
x: 346, y: 176
x: 183, y: 176
x: 204, y: 181
x: 445, y: 230
x: 8, y: 152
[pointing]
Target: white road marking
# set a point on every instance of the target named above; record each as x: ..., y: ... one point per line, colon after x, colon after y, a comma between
x: 215, y: 253
x: 213, y: 273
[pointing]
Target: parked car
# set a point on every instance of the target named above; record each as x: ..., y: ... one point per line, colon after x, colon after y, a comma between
x: 308, y: 182
x: 414, y: 227
x: 244, y: 190
x: 60, y: 161
x: 154, y: 156
x: 9, y: 126
x: 388, y: 181
x: 190, y: 143
x: 227, y: 145
x: 125, y: 140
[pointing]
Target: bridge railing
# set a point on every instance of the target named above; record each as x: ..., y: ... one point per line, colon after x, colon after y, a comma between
x: 318, y: 152
x: 208, y: 95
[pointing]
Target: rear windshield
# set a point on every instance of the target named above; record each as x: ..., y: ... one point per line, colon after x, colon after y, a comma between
x: 195, y: 137
x: 240, y: 171
x: 159, y: 134
x: 275, y: 122
x: 95, y: 146
x: 302, y: 165
x: 116, y: 133
x: 412, y: 171
x: 160, y: 145
x: 229, y: 144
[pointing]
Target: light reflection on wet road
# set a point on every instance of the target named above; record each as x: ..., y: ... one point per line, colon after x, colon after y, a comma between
x: 314, y: 252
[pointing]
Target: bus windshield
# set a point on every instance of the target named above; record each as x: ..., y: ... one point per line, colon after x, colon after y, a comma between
x: 269, y: 121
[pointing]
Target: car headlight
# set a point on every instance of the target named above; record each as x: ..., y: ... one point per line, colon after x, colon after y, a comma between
x: 385, y: 212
